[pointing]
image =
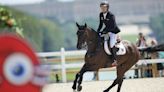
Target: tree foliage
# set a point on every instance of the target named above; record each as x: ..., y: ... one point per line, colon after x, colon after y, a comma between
x: 41, y: 33
x: 157, y: 25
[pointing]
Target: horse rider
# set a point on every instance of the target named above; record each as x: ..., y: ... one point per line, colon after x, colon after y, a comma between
x: 108, y: 19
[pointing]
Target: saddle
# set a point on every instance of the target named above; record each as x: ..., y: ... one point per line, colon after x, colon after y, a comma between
x: 119, y: 45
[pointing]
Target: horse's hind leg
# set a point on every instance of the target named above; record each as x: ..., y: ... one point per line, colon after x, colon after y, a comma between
x: 119, y: 85
x: 116, y: 81
x: 120, y: 73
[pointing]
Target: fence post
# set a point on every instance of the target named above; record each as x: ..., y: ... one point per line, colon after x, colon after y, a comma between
x: 97, y: 75
x: 63, y: 65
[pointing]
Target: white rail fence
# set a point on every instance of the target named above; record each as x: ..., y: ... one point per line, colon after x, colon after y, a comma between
x: 64, y: 66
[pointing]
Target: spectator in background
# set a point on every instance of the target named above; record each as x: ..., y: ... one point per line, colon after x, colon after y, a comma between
x: 161, y: 71
x: 141, y: 43
x: 155, y: 55
x: 152, y: 68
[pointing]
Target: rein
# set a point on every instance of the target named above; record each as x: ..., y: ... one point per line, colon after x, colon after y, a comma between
x: 94, y: 41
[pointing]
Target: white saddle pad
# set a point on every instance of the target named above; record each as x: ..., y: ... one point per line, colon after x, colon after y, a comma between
x: 121, y: 51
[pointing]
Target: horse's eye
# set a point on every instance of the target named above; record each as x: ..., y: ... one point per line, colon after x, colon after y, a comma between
x: 79, y: 33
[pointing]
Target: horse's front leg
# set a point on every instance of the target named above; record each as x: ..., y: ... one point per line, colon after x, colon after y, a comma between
x: 79, y: 87
x: 75, y: 81
x: 79, y: 78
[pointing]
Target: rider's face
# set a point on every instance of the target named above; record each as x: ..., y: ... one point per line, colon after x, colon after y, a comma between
x: 104, y: 8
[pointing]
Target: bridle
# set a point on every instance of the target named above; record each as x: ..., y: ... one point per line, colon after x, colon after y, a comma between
x: 89, y: 41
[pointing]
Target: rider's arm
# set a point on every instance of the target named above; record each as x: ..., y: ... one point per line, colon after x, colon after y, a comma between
x: 113, y: 23
x: 100, y: 24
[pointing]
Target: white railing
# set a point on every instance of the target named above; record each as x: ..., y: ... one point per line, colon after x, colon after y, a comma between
x: 63, y: 66
x: 62, y: 55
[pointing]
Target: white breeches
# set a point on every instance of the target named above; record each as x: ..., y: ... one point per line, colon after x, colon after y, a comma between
x: 113, y: 39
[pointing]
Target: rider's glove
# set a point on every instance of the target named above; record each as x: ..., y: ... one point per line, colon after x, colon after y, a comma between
x: 104, y: 32
x: 99, y: 33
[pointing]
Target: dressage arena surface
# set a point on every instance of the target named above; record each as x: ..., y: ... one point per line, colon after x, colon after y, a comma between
x: 129, y: 85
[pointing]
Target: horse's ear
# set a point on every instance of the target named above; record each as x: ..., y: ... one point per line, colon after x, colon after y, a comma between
x: 77, y: 25
x: 85, y: 25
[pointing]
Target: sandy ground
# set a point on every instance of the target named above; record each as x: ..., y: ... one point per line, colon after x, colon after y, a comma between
x: 132, y: 85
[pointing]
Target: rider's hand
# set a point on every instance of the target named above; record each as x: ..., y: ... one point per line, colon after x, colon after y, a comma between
x: 104, y: 32
x: 99, y: 33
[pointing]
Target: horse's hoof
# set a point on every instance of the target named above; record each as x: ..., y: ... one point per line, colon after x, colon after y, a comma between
x: 79, y: 88
x: 74, y: 87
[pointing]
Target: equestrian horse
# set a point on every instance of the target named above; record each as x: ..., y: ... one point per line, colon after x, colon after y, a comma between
x: 97, y: 58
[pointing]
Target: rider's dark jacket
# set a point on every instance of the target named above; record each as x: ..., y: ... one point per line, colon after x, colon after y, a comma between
x: 110, y: 23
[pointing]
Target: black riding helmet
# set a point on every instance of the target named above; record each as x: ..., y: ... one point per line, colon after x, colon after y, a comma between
x: 104, y: 3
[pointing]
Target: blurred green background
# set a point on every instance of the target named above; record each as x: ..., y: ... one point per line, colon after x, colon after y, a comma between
x: 50, y: 24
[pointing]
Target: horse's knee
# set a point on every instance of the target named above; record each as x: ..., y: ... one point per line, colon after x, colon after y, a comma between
x: 77, y: 75
x: 76, y: 78
x: 81, y: 78
x: 75, y: 81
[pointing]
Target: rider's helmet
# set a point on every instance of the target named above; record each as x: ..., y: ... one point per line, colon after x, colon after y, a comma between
x: 104, y: 3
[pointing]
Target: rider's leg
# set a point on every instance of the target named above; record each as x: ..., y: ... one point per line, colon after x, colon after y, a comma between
x: 113, y: 52
x: 113, y: 41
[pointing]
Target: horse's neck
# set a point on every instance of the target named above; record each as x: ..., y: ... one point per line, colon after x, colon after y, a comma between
x: 91, y: 47
x: 92, y: 44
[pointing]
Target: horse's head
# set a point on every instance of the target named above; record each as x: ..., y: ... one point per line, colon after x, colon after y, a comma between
x: 84, y: 35
x: 81, y: 35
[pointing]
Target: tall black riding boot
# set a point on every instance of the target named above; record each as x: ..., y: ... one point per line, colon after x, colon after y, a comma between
x: 113, y: 52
